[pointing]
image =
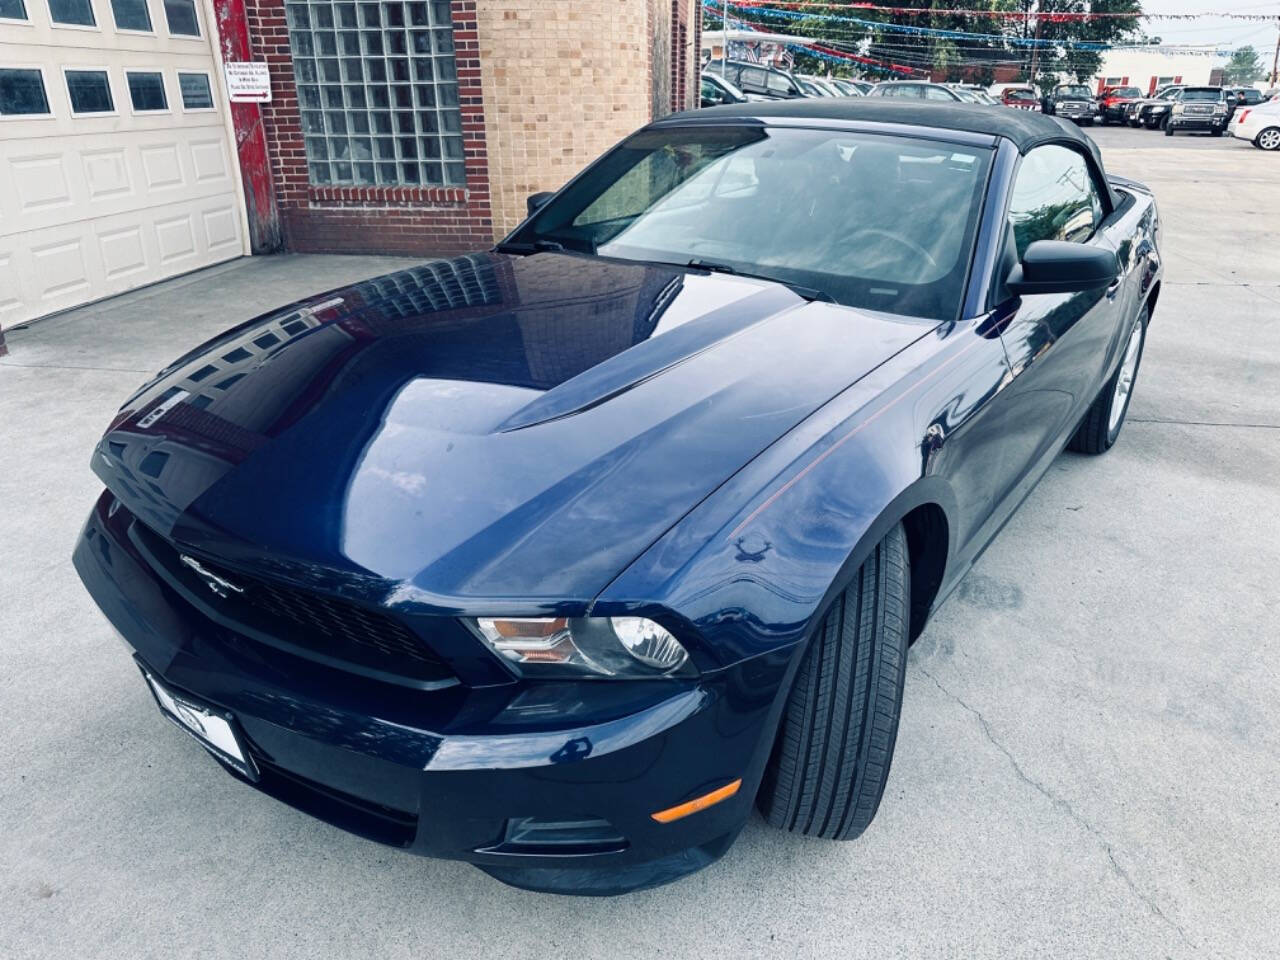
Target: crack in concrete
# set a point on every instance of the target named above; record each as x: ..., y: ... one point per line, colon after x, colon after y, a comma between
x: 1066, y: 808
x: 69, y: 366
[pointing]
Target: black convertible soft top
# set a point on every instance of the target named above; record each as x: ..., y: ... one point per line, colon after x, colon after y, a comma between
x: 1026, y: 128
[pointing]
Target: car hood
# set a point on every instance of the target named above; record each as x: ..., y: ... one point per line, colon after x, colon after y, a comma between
x: 507, y: 428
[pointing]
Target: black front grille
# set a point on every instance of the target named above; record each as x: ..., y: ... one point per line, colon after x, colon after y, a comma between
x: 305, y: 622
x: 337, y: 620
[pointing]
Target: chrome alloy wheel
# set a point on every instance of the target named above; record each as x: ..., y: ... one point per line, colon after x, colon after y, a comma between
x: 1124, y: 380
x: 1269, y: 139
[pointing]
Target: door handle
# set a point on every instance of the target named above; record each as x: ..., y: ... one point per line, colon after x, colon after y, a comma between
x: 1114, y: 289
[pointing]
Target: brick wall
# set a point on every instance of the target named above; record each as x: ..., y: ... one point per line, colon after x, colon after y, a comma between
x: 544, y: 87
x: 346, y: 219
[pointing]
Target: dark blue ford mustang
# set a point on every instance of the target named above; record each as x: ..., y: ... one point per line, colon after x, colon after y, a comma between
x: 558, y: 558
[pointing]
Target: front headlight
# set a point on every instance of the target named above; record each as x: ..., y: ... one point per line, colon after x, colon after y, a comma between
x: 625, y: 647
x: 1177, y: 108
x: 1158, y: 108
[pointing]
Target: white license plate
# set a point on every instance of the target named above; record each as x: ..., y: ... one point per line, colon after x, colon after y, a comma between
x: 214, y: 729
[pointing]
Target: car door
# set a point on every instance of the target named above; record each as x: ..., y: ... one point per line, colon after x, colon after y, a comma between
x: 1058, y: 344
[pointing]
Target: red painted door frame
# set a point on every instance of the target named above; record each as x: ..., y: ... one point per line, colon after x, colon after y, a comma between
x: 251, y: 139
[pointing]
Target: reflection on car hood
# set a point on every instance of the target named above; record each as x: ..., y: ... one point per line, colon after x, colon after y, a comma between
x: 484, y: 426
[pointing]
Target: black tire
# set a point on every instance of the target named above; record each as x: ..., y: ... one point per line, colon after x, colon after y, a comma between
x: 1095, y: 435
x: 1168, y: 129
x: 831, y: 758
x: 1215, y: 132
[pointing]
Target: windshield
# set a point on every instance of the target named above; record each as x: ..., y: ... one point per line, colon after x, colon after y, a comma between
x: 1019, y: 95
x: 1125, y: 92
x: 1208, y: 94
x: 968, y: 96
x: 866, y: 220
x: 1074, y: 90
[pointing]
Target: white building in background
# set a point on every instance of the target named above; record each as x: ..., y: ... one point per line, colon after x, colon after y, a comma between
x: 1151, y: 69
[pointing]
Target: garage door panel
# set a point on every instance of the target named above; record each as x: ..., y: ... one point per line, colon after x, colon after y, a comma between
x: 40, y: 182
x: 209, y: 160
x: 221, y: 228
x: 123, y: 252
x: 106, y: 174
x: 10, y: 287
x: 60, y: 269
x: 177, y: 238
x: 161, y: 168
x: 91, y: 206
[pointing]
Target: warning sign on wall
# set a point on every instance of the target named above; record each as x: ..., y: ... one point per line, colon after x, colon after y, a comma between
x: 248, y: 82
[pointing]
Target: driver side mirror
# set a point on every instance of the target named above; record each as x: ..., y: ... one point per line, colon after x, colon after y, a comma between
x: 1059, y: 266
x: 535, y: 201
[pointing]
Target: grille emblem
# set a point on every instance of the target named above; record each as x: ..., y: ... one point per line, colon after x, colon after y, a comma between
x: 219, y: 585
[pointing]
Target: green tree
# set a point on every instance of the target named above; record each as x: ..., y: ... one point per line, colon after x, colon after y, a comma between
x: 1244, y: 66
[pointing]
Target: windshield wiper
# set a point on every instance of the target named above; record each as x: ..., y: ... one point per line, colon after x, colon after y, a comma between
x: 714, y: 266
x: 538, y: 246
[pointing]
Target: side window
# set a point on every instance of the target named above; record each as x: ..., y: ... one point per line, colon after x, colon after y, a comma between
x: 753, y: 79
x: 1054, y: 198
x: 780, y: 83
x: 12, y: 10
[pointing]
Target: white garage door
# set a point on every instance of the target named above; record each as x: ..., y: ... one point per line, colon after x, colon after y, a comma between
x: 115, y: 165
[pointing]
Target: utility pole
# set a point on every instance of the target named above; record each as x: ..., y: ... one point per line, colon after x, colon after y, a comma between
x: 1275, y: 60
x: 1035, y: 55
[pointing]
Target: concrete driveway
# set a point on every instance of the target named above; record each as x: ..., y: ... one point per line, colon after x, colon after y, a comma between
x: 1088, y: 763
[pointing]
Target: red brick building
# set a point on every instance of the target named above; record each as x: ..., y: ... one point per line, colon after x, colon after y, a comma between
x: 420, y: 126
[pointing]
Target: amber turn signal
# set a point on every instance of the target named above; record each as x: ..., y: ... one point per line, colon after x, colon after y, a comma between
x: 698, y: 803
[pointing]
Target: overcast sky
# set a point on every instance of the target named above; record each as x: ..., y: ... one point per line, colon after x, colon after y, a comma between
x: 1228, y: 33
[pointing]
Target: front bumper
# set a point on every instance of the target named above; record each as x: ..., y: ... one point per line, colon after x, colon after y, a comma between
x: 454, y: 772
x: 1183, y: 122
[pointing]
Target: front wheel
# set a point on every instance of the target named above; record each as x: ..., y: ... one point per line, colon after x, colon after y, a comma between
x: 1215, y: 132
x: 1101, y: 425
x: 1168, y: 130
x: 831, y: 758
x: 1268, y: 139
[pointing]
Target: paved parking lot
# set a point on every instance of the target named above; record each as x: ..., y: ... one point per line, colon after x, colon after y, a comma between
x: 1089, y: 758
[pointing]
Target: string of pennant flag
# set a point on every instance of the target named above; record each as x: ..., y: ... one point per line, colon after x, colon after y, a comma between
x: 911, y: 30
x: 1050, y: 16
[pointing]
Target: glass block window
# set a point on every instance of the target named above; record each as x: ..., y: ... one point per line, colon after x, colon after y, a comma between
x: 378, y: 91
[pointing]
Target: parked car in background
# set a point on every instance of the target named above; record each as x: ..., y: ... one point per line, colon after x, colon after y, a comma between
x: 862, y: 86
x: 1073, y: 101
x: 1114, y: 101
x: 718, y: 90
x: 1198, y: 108
x: 757, y: 79
x: 850, y: 88
x: 1238, y: 97
x: 1152, y: 112
x: 1260, y: 125
x: 1020, y: 98
x: 916, y: 90
x: 560, y: 557
x: 817, y: 86
x: 972, y: 95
